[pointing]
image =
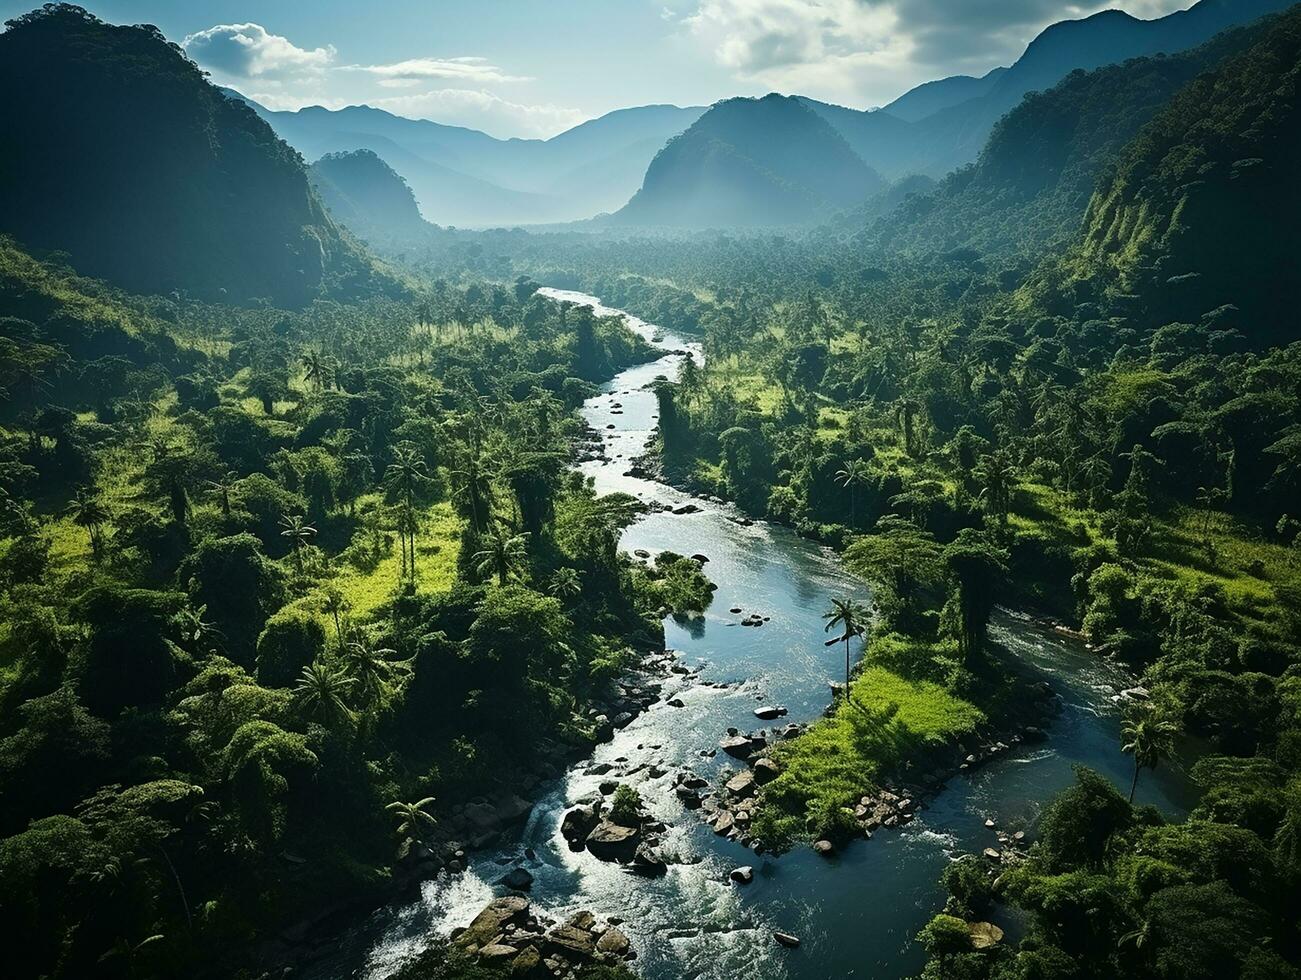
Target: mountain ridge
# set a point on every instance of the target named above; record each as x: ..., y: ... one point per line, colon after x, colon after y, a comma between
x: 127, y: 159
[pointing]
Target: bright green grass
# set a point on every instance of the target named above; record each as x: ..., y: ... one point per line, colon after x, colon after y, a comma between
x: 840, y: 758
x: 438, y: 544
x: 1177, y: 550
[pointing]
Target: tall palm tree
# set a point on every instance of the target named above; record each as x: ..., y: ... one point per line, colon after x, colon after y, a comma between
x: 852, y: 617
x: 405, y: 475
x: 473, y: 485
x: 414, y: 819
x: 299, y: 534
x: 316, y: 370
x: 504, y: 555
x: 1149, y: 737
x: 368, y: 664
x: 851, y: 476
x: 906, y: 411
x: 336, y: 604
x: 221, y: 488
x: 322, y: 692
x: 87, y: 512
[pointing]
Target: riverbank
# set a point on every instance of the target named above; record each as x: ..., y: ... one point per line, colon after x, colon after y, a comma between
x: 695, y: 919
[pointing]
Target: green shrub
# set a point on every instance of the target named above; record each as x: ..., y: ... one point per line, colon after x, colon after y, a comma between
x: 292, y: 640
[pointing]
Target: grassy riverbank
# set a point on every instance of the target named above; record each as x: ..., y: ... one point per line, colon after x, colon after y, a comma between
x: 888, y: 722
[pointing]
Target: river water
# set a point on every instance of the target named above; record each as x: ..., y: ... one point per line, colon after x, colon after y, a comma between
x: 857, y: 913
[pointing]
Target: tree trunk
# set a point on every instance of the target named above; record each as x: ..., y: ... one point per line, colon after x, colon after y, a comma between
x: 185, y: 902
x: 1134, y: 783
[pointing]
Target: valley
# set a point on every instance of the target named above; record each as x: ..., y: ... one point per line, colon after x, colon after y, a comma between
x: 757, y: 537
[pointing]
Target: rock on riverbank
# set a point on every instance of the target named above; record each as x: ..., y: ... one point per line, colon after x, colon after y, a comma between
x: 509, y: 933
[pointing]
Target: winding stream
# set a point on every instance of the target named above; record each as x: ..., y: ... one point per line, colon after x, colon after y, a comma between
x: 856, y: 913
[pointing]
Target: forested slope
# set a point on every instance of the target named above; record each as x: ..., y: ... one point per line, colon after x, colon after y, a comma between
x: 1196, y: 213
x: 368, y: 196
x: 119, y: 153
x: 1036, y: 175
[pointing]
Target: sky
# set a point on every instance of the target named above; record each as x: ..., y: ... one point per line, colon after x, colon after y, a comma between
x: 533, y: 68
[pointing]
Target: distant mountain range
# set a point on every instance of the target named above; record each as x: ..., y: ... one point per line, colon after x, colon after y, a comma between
x: 464, y: 177
x: 467, y: 178
x: 943, y: 125
x: 1032, y: 182
x: 119, y: 153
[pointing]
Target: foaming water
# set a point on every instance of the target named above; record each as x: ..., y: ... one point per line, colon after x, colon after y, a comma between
x: 857, y: 913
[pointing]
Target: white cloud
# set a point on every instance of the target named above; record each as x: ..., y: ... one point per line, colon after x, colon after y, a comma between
x: 869, y: 51
x: 483, y: 110
x: 810, y: 46
x: 468, y: 70
x: 251, y: 51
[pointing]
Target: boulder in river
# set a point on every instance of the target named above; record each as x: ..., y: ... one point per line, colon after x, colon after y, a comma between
x: 518, y: 879
x: 613, y: 942
x: 647, y: 862
x: 574, y: 937
x: 490, y: 923
x: 742, y: 784
x: 787, y: 940
x: 769, y: 712
x: 741, y: 746
x: 766, y: 769
x: 824, y: 847
x: 743, y: 875
x: 612, y: 841
x: 688, y: 797
x: 577, y: 824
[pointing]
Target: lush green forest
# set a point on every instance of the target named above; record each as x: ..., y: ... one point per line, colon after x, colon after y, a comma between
x: 294, y: 564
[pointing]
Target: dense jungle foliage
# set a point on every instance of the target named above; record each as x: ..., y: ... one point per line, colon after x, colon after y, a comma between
x: 274, y: 522
x: 1107, y: 433
x: 265, y: 574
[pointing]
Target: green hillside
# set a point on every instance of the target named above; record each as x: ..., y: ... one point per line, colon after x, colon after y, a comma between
x: 1189, y: 218
x: 1033, y: 181
x: 367, y: 195
x: 119, y: 153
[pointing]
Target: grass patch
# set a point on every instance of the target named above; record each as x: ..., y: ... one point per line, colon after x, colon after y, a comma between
x: 840, y: 758
x: 438, y: 545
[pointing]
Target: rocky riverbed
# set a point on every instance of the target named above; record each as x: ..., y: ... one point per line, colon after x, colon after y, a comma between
x: 509, y: 932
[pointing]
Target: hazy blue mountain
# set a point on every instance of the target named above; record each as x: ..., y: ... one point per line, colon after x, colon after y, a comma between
x: 953, y: 135
x: 931, y: 97
x: 368, y: 196
x: 748, y: 162
x: 464, y: 177
x: 120, y: 153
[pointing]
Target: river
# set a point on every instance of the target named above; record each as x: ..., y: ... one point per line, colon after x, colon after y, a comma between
x: 857, y: 913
